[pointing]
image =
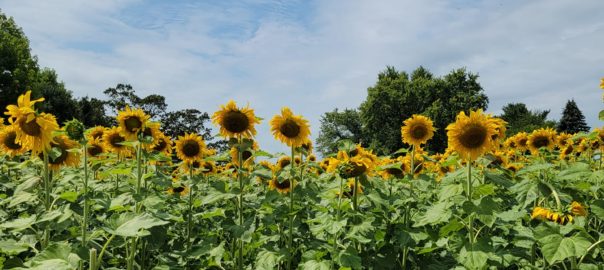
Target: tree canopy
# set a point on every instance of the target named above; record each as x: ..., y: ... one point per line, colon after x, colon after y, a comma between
x: 572, y: 120
x: 521, y: 119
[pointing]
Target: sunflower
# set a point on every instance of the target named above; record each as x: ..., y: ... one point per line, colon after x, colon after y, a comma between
x: 500, y: 128
x: 324, y: 164
x: 351, y: 189
x: 186, y: 166
x: 8, y: 145
x: 181, y: 190
x: 151, y: 134
x: 349, y: 167
x: 577, y: 209
x: 566, y: 152
x: 131, y: 122
x: 234, y: 121
x: 541, y: 138
x: 602, y: 83
x: 24, y: 107
x: 498, y: 159
x: 190, y: 147
x: 113, y: 140
x: 67, y: 157
x: 95, y: 148
x: 513, y: 167
x: 471, y: 136
x: 510, y: 142
x: 547, y: 214
x: 208, y: 167
x: 34, y: 131
x: 282, y: 187
x: 311, y: 158
x: 392, y: 168
x: 418, y: 163
x: 417, y: 130
x: 163, y: 145
x: 246, y: 155
x: 282, y: 162
x: 307, y: 146
x: 293, y: 130
x: 521, y: 139
x: 563, y: 140
x: 96, y: 132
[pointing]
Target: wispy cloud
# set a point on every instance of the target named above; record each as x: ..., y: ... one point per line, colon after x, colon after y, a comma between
x: 317, y: 55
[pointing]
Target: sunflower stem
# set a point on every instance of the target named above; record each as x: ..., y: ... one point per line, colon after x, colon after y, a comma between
x: 139, y: 174
x: 412, y: 161
x: 190, y: 212
x: 335, y: 237
x: 291, y: 211
x: 470, y: 221
x: 46, y: 180
x: 240, y: 178
x: 85, y: 217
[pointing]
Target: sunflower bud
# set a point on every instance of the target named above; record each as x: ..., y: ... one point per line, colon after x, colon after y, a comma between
x: 74, y: 129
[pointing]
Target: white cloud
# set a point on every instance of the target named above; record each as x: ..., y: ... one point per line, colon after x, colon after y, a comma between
x: 199, y: 55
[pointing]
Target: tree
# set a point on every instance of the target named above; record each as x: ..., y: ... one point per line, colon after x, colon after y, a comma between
x: 92, y: 112
x: 57, y: 100
x: 336, y: 126
x: 178, y: 123
x: 18, y: 68
x: 124, y: 95
x: 520, y: 119
x: 572, y: 120
x: 397, y: 96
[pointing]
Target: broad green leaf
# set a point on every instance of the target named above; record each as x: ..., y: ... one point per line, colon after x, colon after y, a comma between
x: 435, y: 214
x: 597, y: 208
x: 216, y: 196
x: 22, y: 197
x: 349, y: 258
x: 556, y: 247
x: 70, y: 196
x: 55, y: 255
x: 132, y: 225
x: 19, y: 224
x: 448, y: 191
x: 12, y: 247
x: 316, y: 265
x: 28, y: 184
x: 268, y: 259
x: 601, y: 115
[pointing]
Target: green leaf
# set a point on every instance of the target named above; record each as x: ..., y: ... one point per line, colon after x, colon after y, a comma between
x: 216, y: 196
x: 448, y: 191
x: 556, y: 247
x: 597, y: 208
x: 28, y: 184
x: 268, y: 259
x: 132, y: 225
x: 55, y: 256
x: 12, y: 247
x: 316, y: 265
x: 601, y: 115
x: 436, y: 214
x: 19, y: 224
x: 22, y: 197
x: 70, y: 196
x: 349, y: 258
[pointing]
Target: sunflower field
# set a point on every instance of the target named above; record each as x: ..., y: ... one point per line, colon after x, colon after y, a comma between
x: 129, y: 197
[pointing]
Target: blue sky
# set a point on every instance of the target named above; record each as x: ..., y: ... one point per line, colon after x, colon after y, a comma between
x: 314, y: 56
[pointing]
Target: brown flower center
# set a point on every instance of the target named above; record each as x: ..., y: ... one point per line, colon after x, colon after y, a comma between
x: 160, y: 146
x: 235, y: 121
x: 190, y: 148
x: 9, y: 141
x: 97, y: 134
x: 30, y: 128
x: 473, y: 137
x: 116, y: 140
x: 94, y: 150
x: 282, y: 185
x: 284, y: 162
x: 179, y: 189
x: 419, y: 132
x: 132, y: 123
x: 290, y: 129
x: 540, y: 141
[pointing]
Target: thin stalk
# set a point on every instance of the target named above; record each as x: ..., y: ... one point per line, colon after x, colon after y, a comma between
x: 335, y: 237
x: 355, y: 202
x: 292, y: 183
x: 589, y: 249
x: 47, y: 204
x: 139, y: 174
x: 100, y: 257
x: 85, y: 218
x: 470, y: 221
x: 240, y: 178
x: 412, y: 161
x: 190, y: 212
x: 406, y: 248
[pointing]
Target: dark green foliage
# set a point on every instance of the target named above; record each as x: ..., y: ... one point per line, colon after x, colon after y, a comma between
x: 18, y: 68
x: 336, y: 126
x: 397, y: 96
x: 572, y: 120
x: 520, y: 119
x: 57, y: 100
x: 177, y: 123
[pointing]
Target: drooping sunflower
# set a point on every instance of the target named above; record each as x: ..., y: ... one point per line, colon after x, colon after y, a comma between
x: 293, y: 130
x: 67, y: 156
x: 391, y: 168
x: 113, y: 140
x: 34, y: 131
x: 282, y: 187
x: 577, y: 209
x: 190, y: 147
x: 566, y: 152
x: 311, y: 158
x: 131, y: 122
x: 349, y: 167
x: 307, y: 146
x: 417, y: 130
x: 543, y: 137
x: 471, y: 136
x: 234, y: 121
x: 8, y: 144
x: 95, y: 148
x: 181, y: 190
x: 548, y: 214
x: 282, y: 162
x: 96, y: 132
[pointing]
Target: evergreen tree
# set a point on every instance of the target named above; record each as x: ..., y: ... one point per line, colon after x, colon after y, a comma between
x: 572, y: 120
